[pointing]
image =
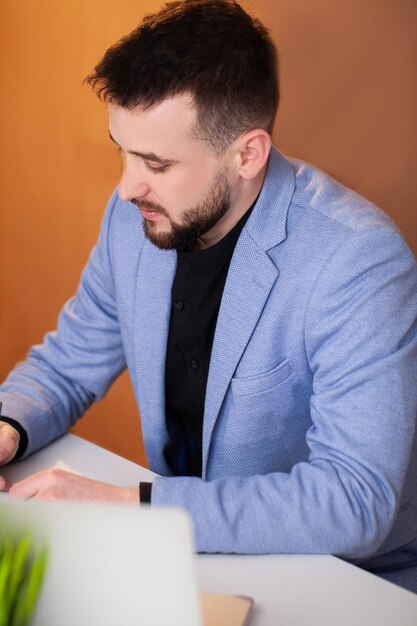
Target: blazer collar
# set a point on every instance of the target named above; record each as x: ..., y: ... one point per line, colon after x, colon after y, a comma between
x: 267, y: 224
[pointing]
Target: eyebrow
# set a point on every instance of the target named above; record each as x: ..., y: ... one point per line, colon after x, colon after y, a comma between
x: 148, y: 156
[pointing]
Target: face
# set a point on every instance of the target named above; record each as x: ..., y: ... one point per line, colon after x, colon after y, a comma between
x: 179, y: 186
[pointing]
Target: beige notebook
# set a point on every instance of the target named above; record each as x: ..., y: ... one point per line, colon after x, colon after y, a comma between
x: 224, y: 610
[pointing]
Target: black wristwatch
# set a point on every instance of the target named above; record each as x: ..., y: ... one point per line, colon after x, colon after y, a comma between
x: 145, y: 492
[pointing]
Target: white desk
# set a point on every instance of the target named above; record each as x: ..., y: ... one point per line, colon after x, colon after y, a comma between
x: 291, y: 590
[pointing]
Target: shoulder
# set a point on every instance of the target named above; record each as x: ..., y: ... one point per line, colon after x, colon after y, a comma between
x: 300, y: 202
x: 321, y: 195
x: 320, y: 228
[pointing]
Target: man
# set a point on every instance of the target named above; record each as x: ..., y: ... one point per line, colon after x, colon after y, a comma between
x: 266, y: 314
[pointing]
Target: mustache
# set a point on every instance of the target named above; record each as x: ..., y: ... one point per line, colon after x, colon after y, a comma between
x: 149, y: 206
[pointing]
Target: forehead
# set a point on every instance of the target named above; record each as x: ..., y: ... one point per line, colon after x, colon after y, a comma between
x: 163, y: 128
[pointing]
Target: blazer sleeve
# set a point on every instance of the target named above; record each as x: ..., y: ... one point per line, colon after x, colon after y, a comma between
x: 360, y: 337
x: 76, y: 364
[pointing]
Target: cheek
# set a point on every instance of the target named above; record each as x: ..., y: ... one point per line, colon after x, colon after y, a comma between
x: 187, y: 188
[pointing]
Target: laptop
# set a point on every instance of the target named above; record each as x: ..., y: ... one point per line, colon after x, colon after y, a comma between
x: 110, y: 564
x: 116, y: 564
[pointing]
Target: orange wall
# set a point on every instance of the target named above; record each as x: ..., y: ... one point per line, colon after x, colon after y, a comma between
x: 348, y: 105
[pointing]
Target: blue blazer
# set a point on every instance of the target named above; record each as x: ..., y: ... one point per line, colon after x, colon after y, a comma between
x: 311, y: 398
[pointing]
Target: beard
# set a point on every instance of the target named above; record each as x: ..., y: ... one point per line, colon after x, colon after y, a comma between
x: 196, y: 221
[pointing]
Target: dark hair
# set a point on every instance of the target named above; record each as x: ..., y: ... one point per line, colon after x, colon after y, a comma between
x: 210, y: 48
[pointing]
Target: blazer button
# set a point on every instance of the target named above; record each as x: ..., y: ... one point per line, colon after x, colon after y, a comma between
x: 195, y: 364
x: 179, y: 305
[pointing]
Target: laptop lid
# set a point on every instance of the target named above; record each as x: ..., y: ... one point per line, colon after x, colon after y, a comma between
x: 110, y: 564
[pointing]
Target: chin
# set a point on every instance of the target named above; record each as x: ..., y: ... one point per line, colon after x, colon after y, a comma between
x: 161, y: 239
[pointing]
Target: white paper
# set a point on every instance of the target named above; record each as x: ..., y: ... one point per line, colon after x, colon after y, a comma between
x: 63, y: 466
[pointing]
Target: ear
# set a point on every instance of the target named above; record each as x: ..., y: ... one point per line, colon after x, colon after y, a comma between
x: 253, y: 150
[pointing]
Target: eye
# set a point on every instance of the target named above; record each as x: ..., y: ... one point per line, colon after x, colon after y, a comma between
x: 121, y: 153
x: 155, y: 170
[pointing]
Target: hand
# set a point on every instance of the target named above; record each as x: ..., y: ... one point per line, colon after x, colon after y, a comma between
x: 9, y: 445
x: 9, y: 442
x: 57, y: 484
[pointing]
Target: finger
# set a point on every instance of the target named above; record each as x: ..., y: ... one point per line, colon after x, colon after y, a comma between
x: 37, y: 485
x: 5, y: 484
x: 28, y: 487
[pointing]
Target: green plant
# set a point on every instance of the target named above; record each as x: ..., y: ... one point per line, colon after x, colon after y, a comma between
x: 22, y: 569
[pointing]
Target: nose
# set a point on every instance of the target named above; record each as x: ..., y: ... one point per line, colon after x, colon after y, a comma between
x: 132, y: 185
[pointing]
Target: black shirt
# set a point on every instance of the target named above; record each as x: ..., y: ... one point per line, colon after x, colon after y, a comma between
x: 196, y: 296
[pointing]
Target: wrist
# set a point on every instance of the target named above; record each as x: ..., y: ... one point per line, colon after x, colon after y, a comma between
x: 129, y: 495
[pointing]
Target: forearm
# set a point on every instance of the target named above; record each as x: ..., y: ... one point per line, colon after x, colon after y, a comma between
x: 43, y: 403
x: 317, y: 508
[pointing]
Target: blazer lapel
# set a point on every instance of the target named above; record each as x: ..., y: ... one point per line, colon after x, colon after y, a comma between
x: 250, y: 279
x: 152, y: 305
x: 245, y: 293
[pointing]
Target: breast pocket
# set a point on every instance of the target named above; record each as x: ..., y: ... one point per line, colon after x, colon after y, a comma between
x: 261, y: 383
x: 258, y: 412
